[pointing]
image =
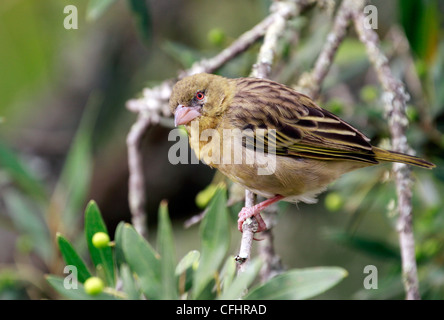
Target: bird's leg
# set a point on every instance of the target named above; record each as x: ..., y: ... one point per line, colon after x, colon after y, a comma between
x: 254, y: 211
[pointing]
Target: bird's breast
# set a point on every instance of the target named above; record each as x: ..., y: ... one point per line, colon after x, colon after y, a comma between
x: 264, y: 174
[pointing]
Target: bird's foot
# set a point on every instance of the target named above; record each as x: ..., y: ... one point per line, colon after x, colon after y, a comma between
x: 254, y: 211
x: 250, y: 212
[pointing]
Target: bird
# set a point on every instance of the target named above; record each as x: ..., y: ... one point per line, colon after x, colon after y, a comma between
x: 310, y: 146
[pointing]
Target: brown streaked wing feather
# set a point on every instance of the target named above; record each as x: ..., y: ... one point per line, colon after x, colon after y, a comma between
x: 303, y: 129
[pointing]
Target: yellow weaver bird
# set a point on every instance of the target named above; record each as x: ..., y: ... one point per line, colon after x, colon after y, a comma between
x: 311, y: 146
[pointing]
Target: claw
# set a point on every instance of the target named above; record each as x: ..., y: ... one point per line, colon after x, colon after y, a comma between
x: 248, y: 212
x: 245, y: 214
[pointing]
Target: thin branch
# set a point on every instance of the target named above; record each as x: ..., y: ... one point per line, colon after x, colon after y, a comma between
x: 265, y: 58
x: 136, y: 183
x: 273, y: 263
x: 395, y: 99
x: 249, y: 228
x: 283, y: 11
x: 195, y: 219
x: 310, y: 83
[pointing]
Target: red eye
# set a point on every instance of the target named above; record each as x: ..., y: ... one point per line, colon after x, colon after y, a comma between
x: 199, y: 95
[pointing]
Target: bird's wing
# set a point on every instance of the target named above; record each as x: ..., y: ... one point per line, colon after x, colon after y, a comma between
x: 299, y: 127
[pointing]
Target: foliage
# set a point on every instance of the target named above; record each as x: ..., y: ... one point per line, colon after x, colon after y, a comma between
x: 35, y: 213
x: 143, y: 272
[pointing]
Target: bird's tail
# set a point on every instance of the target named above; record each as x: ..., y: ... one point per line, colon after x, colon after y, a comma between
x: 392, y: 156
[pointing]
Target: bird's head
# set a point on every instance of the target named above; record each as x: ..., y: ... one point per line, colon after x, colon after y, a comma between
x: 201, y: 96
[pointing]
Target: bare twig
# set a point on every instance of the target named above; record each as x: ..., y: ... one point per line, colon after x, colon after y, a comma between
x: 273, y: 263
x: 310, y: 83
x: 283, y: 11
x: 195, y: 219
x: 249, y: 228
x: 266, y: 54
x: 262, y: 69
x: 395, y: 99
x: 136, y: 184
x: 154, y: 103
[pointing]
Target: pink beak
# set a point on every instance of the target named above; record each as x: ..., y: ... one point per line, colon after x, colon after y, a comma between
x: 184, y: 115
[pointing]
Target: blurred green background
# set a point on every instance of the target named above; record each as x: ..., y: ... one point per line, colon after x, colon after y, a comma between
x: 63, y: 125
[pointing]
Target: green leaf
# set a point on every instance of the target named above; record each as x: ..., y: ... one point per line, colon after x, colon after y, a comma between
x: 369, y: 246
x: 72, y: 258
x: 165, y: 247
x: 204, y: 196
x: 142, y: 15
x: 73, y: 185
x: 129, y: 285
x: 96, y: 8
x: 208, y: 292
x: 28, y: 221
x: 75, y: 293
x: 185, y: 270
x: 100, y: 257
x: 228, y: 273
x: 118, y: 250
x: 144, y: 261
x: 215, y: 235
x: 425, y: 33
x: 242, y: 282
x: 298, y: 284
x: 21, y: 174
x: 190, y: 259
